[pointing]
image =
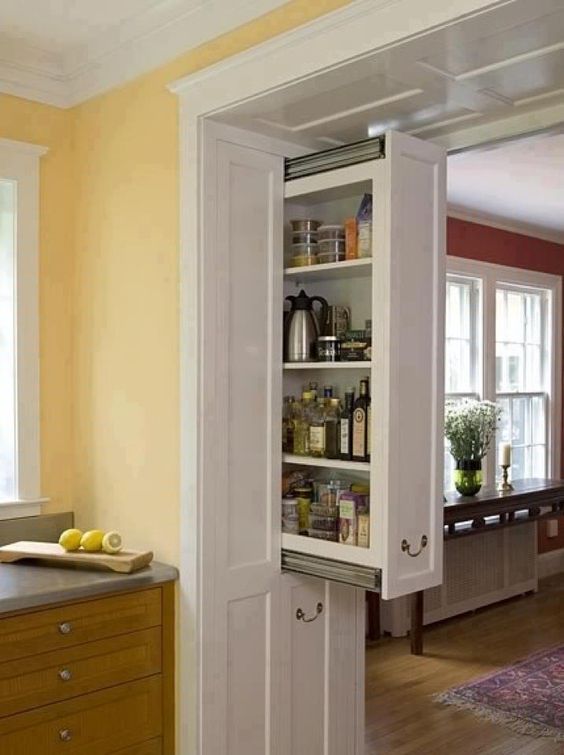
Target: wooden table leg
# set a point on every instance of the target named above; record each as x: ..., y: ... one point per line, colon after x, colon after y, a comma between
x: 416, y: 633
x: 373, y: 601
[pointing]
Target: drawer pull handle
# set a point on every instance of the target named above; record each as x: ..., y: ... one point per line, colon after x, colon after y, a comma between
x: 301, y: 616
x: 65, y: 735
x: 65, y: 675
x: 65, y: 628
x: 406, y: 547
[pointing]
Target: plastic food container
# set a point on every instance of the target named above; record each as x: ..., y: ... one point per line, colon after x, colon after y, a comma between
x: 291, y: 526
x: 305, y: 237
x: 323, y: 535
x: 331, y: 246
x: 290, y: 507
x: 324, y: 258
x: 307, y: 225
x: 327, y: 523
x: 304, y: 254
x: 327, y: 495
x: 327, y: 232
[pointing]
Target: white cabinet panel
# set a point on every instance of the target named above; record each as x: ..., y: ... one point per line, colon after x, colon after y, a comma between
x: 270, y: 684
x: 410, y: 275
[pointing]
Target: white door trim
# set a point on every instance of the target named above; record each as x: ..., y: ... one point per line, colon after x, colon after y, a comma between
x: 358, y: 29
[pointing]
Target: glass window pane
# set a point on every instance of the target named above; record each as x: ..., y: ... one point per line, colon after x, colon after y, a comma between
x: 538, y: 423
x: 7, y: 352
x: 533, y: 303
x: 533, y: 371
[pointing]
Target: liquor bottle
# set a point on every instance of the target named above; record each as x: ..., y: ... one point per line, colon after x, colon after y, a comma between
x: 288, y: 417
x: 360, y: 424
x: 332, y: 417
x: 301, y: 424
x: 368, y: 420
x: 313, y: 389
x: 345, y: 426
x: 317, y: 430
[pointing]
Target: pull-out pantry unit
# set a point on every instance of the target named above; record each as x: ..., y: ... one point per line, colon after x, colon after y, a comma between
x: 399, y: 288
x: 280, y: 620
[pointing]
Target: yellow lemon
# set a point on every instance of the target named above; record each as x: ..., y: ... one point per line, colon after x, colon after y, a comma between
x: 112, y: 542
x: 92, y: 540
x: 70, y: 539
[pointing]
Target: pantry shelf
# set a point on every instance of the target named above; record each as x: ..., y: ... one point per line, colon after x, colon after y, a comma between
x: 312, y: 461
x: 327, y: 365
x: 346, y: 269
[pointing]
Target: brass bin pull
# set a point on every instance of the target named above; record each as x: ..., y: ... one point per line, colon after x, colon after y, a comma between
x: 300, y: 615
x: 406, y: 547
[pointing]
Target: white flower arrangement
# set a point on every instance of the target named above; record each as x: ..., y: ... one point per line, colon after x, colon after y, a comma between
x: 470, y: 427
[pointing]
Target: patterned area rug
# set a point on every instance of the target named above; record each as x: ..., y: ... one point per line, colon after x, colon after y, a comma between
x: 528, y: 696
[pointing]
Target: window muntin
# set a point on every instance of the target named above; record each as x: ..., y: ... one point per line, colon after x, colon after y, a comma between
x: 7, y: 340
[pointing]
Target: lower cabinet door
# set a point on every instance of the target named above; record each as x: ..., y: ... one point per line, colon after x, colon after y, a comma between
x: 103, y: 722
x: 154, y: 747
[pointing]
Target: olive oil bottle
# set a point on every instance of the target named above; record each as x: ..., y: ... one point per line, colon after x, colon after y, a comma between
x: 361, y: 416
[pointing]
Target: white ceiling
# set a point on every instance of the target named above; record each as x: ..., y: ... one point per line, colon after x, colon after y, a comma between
x: 64, y: 51
x: 503, y: 64
x: 518, y: 185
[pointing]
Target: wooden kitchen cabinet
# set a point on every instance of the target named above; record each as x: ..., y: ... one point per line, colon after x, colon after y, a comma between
x: 94, y: 676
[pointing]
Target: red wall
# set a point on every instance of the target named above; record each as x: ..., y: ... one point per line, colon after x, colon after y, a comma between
x: 481, y: 242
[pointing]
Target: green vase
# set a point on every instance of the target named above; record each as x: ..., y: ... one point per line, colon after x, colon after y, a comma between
x: 468, y: 476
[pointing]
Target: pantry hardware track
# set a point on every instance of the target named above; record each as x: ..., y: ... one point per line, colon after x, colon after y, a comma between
x: 365, y: 577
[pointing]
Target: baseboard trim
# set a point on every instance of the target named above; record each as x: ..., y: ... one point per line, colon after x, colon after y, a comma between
x: 551, y: 563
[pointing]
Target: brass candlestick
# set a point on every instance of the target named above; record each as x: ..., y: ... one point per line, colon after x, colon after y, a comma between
x: 504, y: 485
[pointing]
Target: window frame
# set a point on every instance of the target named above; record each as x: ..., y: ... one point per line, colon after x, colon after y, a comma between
x: 19, y: 162
x: 491, y: 275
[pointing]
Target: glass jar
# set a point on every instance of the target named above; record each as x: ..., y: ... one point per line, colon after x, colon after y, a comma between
x: 468, y: 476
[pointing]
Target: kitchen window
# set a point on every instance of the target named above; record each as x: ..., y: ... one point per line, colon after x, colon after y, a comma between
x: 19, y: 347
x: 503, y: 333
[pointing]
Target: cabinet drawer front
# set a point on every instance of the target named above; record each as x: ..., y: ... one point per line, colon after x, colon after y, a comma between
x: 49, y: 677
x: 56, y: 628
x: 103, y: 722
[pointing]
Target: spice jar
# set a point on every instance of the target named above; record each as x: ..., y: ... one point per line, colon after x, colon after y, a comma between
x: 328, y: 349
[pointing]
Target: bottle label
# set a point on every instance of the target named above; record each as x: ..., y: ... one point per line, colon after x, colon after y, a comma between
x: 359, y: 426
x: 345, y: 436
x: 316, y: 440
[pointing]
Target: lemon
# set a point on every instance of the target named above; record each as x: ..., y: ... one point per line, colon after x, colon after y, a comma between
x: 112, y: 542
x: 70, y: 539
x: 92, y: 540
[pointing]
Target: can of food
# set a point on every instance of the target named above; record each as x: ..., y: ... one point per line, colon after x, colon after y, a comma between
x: 328, y: 349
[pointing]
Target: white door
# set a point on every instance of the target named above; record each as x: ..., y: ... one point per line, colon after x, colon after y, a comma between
x: 271, y: 682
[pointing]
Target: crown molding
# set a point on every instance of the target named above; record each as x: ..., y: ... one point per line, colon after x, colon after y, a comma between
x: 131, y: 48
x: 523, y: 229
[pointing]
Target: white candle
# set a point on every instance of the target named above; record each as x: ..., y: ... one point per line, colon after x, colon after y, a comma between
x: 504, y: 453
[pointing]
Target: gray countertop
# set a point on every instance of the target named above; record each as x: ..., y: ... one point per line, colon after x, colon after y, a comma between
x: 26, y: 586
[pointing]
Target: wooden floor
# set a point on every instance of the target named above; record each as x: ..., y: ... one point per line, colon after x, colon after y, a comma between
x: 402, y: 719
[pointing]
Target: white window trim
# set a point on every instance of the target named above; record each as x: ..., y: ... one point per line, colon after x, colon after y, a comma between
x: 491, y: 274
x: 19, y: 161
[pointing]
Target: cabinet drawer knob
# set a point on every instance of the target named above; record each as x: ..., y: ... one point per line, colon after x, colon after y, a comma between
x: 65, y: 628
x: 65, y: 735
x: 406, y: 546
x: 65, y: 675
x: 301, y: 615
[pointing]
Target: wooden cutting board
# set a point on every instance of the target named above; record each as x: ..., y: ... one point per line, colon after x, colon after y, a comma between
x: 124, y: 561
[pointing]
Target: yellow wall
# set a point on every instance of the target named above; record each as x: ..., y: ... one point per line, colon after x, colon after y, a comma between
x: 30, y: 122
x: 124, y: 277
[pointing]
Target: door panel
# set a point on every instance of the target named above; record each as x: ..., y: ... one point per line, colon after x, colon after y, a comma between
x: 255, y: 655
x: 412, y: 274
x: 242, y: 228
